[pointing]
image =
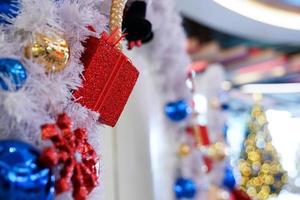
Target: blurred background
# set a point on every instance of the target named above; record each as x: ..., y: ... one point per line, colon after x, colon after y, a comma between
x: 246, y: 70
x: 257, y: 44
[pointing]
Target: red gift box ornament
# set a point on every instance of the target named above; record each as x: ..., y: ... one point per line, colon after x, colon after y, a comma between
x: 109, y: 78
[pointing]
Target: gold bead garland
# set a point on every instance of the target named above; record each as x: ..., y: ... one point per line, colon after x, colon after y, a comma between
x: 116, y: 18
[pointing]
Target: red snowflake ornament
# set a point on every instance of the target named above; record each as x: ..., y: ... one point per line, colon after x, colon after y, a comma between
x: 77, y: 157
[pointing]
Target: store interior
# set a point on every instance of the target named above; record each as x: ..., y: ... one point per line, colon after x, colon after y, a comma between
x: 244, y: 56
x: 150, y: 100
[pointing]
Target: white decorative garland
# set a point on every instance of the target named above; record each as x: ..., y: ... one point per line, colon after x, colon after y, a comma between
x: 44, y: 96
x: 169, y: 69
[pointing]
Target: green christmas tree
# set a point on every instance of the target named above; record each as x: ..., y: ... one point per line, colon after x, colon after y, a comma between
x: 262, y: 174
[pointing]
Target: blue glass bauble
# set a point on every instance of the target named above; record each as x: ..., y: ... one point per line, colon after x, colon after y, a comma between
x: 177, y: 111
x: 185, y: 188
x: 12, y: 74
x: 21, y: 176
x: 273, y: 188
x: 225, y: 106
x: 229, y: 180
x: 10, y: 9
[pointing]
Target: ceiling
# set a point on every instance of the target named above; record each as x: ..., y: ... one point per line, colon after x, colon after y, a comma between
x: 284, y: 4
x: 220, y: 16
x: 248, y: 19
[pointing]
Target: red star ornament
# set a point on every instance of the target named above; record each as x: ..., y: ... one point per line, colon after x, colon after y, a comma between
x: 72, y: 151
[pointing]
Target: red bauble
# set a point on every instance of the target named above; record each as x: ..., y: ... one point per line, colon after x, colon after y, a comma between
x: 200, y: 133
x: 239, y: 194
x: 109, y: 78
x: 76, y: 156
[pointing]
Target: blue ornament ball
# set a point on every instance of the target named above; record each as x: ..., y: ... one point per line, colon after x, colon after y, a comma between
x: 229, y: 180
x: 21, y: 175
x: 225, y: 106
x: 9, y: 9
x: 185, y: 188
x: 12, y: 74
x: 178, y: 110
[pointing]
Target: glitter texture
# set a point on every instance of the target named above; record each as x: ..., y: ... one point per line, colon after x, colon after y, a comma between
x: 109, y: 78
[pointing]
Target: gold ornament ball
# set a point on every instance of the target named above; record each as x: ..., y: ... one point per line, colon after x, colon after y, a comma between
x: 184, y: 150
x: 274, y: 168
x: 254, y: 156
x: 266, y: 189
x: 217, y: 151
x: 256, y: 166
x: 262, y: 195
x: 262, y: 119
x: 284, y: 179
x: 268, y: 179
x: 250, y: 148
x: 244, y: 180
x: 245, y: 168
x: 257, y: 181
x: 52, y: 52
x: 252, y: 191
x: 269, y: 147
x: 265, y: 168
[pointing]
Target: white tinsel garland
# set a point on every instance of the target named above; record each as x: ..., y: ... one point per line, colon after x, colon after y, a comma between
x: 46, y: 95
x: 167, y: 48
x: 169, y: 63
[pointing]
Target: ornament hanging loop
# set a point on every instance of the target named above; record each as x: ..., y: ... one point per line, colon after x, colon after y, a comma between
x: 114, y: 39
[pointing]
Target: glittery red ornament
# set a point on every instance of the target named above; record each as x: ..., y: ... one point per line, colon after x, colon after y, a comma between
x: 200, y: 133
x: 76, y: 156
x: 239, y: 194
x: 109, y: 78
x: 208, y: 163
